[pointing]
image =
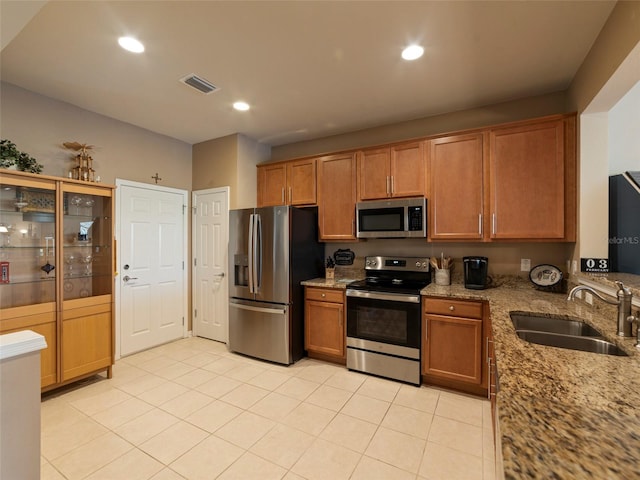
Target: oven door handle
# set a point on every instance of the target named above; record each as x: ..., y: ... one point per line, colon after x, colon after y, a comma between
x: 393, y: 297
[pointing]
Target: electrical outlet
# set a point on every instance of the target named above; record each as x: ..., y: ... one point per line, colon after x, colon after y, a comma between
x: 588, y: 298
x: 574, y: 267
x: 525, y: 264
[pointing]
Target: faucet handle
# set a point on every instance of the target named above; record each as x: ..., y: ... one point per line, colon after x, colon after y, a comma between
x: 622, y: 287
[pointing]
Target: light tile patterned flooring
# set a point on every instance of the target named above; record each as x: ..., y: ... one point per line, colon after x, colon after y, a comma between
x: 192, y: 410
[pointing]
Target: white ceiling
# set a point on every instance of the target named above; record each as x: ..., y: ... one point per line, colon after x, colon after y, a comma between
x: 308, y: 68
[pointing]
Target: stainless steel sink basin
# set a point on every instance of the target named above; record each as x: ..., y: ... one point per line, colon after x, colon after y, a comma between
x: 562, y: 332
x: 545, y: 323
x: 585, y: 344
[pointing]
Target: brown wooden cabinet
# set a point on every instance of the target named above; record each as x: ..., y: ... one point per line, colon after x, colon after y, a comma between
x: 453, y: 344
x: 337, y: 197
x: 456, y: 191
x: 394, y: 171
x: 532, y: 180
x: 41, y: 319
x: 324, y: 325
x: 288, y: 183
x: 58, y: 252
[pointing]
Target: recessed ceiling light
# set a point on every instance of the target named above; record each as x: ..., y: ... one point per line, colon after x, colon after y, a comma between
x: 412, y: 52
x: 131, y: 44
x: 241, y: 106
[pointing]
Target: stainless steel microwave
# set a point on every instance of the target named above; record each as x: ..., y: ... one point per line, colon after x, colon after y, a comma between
x: 394, y: 218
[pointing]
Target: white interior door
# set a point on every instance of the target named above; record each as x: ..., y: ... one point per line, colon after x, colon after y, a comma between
x: 210, y: 264
x: 152, y: 300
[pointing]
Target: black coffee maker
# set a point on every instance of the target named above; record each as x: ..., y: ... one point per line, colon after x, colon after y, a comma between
x: 475, y: 272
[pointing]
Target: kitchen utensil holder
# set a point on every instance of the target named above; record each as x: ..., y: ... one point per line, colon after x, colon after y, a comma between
x: 443, y: 276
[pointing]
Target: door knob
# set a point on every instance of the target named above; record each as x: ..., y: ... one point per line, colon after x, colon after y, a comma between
x: 221, y: 275
x: 126, y: 278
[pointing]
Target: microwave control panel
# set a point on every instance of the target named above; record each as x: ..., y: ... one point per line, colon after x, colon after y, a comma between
x: 415, y: 218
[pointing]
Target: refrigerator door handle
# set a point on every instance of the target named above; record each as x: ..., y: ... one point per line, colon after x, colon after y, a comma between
x: 257, y: 267
x: 258, y: 309
x: 250, y: 254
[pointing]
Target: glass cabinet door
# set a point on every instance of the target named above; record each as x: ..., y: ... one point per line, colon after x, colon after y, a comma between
x: 27, y: 245
x: 87, y: 245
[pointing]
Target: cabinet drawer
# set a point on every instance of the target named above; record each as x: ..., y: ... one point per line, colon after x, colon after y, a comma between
x: 325, y: 295
x: 454, y: 308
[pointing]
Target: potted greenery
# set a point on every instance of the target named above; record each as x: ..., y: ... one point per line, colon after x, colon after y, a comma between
x: 10, y: 155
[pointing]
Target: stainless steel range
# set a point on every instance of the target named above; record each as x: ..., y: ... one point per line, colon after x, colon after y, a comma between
x: 384, y: 319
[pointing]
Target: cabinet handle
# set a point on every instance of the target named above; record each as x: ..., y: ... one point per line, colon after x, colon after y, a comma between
x: 452, y: 308
x: 489, y: 380
x: 388, y: 185
x: 323, y: 295
x: 480, y: 223
x: 393, y: 186
x: 282, y: 195
x: 493, y: 224
x: 290, y: 195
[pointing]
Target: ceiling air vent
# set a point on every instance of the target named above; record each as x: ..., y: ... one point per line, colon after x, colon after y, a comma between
x: 199, y: 84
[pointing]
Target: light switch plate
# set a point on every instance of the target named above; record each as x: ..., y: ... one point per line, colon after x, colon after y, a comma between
x: 525, y: 264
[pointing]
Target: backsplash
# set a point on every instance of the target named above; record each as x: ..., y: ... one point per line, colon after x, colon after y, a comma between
x: 504, y: 258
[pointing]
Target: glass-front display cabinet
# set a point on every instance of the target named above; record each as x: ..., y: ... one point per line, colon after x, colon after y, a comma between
x: 57, y: 271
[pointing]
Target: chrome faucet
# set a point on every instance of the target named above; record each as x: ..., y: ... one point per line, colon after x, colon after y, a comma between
x: 625, y: 318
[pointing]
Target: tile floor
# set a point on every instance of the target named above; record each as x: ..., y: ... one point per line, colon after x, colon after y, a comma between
x: 192, y: 410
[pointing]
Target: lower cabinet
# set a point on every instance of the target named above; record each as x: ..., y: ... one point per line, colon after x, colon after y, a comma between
x: 40, y: 319
x: 324, y: 324
x: 86, y: 342
x: 452, y: 351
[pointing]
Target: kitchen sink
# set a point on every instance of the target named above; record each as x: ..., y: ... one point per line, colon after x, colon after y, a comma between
x: 562, y: 332
x: 545, y: 323
x: 572, y: 342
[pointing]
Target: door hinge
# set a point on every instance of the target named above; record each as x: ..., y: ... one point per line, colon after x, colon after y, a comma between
x: 195, y: 313
x: 183, y: 207
x: 195, y: 262
x: 183, y: 264
x: 183, y: 321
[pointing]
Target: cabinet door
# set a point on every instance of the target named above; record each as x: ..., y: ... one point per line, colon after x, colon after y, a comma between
x: 324, y: 328
x: 272, y: 183
x: 40, y: 318
x: 337, y: 197
x: 374, y: 174
x: 454, y: 348
x: 456, y: 195
x: 301, y: 180
x: 407, y: 170
x: 28, y: 266
x: 527, y: 172
x: 87, y: 338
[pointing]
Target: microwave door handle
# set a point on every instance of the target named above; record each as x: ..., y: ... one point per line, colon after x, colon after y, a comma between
x: 250, y: 253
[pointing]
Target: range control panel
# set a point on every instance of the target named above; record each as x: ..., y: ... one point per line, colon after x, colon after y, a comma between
x: 403, y: 264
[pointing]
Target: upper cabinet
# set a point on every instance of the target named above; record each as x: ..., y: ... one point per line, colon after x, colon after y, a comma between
x: 288, y: 183
x: 337, y: 197
x: 532, y: 181
x: 513, y: 182
x: 395, y: 171
x: 456, y: 190
x: 510, y: 182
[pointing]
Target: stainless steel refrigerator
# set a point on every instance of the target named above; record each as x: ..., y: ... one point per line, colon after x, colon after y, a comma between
x: 271, y: 250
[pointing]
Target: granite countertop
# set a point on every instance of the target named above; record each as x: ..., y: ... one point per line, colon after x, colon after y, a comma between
x: 562, y: 413
x: 339, y: 283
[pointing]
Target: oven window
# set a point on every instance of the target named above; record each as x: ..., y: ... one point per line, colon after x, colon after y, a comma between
x: 382, y: 324
x: 397, y: 323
